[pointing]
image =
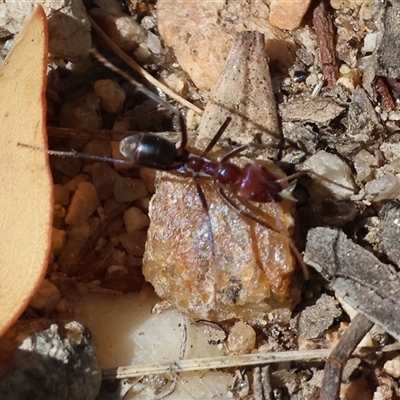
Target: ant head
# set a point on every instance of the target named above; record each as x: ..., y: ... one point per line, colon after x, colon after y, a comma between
x: 129, y: 147
x: 152, y: 151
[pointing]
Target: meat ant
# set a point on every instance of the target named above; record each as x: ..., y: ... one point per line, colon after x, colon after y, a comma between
x: 252, y: 182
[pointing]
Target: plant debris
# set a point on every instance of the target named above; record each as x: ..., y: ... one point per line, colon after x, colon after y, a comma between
x: 334, y: 81
x: 363, y: 281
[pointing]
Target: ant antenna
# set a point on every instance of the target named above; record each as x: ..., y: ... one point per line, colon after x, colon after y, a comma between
x: 76, y: 154
x: 148, y: 93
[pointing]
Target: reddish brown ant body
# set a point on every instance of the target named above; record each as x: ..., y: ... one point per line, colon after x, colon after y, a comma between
x: 252, y: 182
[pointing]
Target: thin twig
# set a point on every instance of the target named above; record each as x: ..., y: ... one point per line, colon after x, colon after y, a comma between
x: 357, y: 329
x: 107, y: 134
x: 262, y: 388
x: 324, y: 31
x: 139, y: 70
x: 222, y: 362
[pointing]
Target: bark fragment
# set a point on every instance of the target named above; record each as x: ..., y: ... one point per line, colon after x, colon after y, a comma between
x: 324, y: 30
x: 364, y: 282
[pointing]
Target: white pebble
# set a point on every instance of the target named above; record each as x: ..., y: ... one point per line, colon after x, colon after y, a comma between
x: 369, y: 42
x: 331, y: 172
x: 386, y: 187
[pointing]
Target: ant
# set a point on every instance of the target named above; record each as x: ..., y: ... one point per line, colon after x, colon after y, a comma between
x: 252, y: 182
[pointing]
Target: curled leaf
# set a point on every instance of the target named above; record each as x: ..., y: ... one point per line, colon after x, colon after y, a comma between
x: 26, y: 189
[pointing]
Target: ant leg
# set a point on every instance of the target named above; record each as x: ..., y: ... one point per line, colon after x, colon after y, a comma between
x: 204, y: 203
x: 291, y: 177
x: 148, y: 93
x: 217, y: 136
x: 240, y: 149
x: 249, y: 215
x: 234, y: 152
x: 306, y: 172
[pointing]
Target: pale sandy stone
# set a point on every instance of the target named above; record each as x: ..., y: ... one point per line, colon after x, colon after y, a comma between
x: 112, y: 96
x: 129, y: 189
x: 286, y: 14
x: 58, y: 240
x: 83, y: 204
x: 61, y: 195
x: 351, y: 4
x: 82, y: 113
x: 392, y: 367
x: 69, y: 28
x: 122, y: 29
x: 135, y: 219
x: 242, y: 338
x: 330, y: 171
x: 46, y: 298
x: 201, y: 34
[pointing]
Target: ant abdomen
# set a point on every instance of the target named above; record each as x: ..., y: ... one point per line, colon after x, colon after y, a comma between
x: 258, y: 184
x: 149, y: 150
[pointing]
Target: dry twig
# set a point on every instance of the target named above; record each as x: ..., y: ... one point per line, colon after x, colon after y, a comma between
x: 357, y: 329
x: 324, y: 30
x: 141, y: 71
x: 201, y: 364
x: 386, y: 98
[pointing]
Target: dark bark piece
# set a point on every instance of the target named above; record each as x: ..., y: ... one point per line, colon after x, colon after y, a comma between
x: 386, y: 98
x: 394, y: 85
x: 364, y: 282
x: 334, y: 365
x: 324, y: 30
x: 388, y: 51
x: 390, y: 231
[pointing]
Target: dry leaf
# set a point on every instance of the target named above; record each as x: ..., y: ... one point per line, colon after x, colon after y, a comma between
x: 26, y: 189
